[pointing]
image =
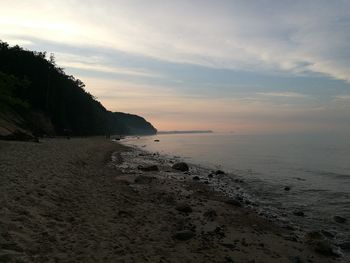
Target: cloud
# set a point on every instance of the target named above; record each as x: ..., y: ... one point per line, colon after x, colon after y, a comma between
x: 98, y: 64
x: 299, y: 37
x: 342, y: 97
x: 286, y: 94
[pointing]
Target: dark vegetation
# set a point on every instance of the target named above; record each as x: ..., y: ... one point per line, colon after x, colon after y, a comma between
x: 34, y: 90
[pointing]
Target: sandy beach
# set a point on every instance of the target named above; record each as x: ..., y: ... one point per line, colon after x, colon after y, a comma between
x: 72, y: 201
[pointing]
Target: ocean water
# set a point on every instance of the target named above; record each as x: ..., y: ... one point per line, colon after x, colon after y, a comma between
x: 316, y: 169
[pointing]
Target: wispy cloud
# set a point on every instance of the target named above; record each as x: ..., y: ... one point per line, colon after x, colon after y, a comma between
x: 342, y: 97
x: 98, y: 64
x: 286, y: 94
x: 297, y: 37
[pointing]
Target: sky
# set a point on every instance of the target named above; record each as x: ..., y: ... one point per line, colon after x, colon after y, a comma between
x: 248, y: 67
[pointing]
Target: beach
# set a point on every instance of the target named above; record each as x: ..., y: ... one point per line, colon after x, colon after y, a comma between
x: 76, y: 201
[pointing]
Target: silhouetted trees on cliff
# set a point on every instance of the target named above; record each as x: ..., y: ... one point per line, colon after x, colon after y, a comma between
x: 31, y: 82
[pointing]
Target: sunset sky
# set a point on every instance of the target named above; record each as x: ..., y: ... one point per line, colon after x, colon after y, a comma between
x: 243, y: 66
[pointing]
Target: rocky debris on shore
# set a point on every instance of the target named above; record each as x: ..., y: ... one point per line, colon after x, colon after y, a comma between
x: 141, y: 179
x: 181, y: 166
x: 184, y: 235
x: 339, y: 219
x: 325, y: 248
x: 287, y: 188
x: 345, y: 246
x: 210, y: 214
x: 299, y: 213
x: 233, y: 202
x: 196, y: 178
x: 321, y: 244
x: 219, y: 172
x: 149, y: 168
x: 182, y: 207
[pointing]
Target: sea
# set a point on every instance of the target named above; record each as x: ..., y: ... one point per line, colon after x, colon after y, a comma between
x: 300, y: 180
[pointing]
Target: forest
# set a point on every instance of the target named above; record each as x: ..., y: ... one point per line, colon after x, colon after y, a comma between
x: 49, y: 102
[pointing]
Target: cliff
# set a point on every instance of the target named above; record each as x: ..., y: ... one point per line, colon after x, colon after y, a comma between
x: 38, y: 98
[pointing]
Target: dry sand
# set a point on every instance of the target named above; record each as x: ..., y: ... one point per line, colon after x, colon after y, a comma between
x: 64, y: 201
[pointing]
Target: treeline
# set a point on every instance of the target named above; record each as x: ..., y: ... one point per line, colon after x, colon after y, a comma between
x: 31, y: 82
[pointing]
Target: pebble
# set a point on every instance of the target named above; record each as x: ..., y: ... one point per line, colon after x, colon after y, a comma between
x: 233, y: 202
x: 181, y: 166
x: 184, y: 235
x: 299, y: 213
x: 314, y: 235
x: 324, y: 247
x: 339, y: 219
x: 185, y: 208
x: 143, y: 179
x: 345, y: 246
x: 296, y: 259
x: 149, y: 168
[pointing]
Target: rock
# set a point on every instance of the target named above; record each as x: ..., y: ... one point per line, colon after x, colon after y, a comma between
x: 143, y: 179
x: 156, y: 140
x: 181, y: 167
x: 233, y: 202
x: 210, y: 175
x: 286, y: 188
x: 150, y: 168
x: 218, y: 172
x: 345, y: 246
x: 185, y: 208
x: 184, y: 235
x: 299, y: 213
x: 229, y: 259
x: 314, y: 235
x: 324, y: 247
x: 196, y: 178
x: 228, y: 245
x: 296, y: 259
x: 210, y: 214
x: 328, y: 234
x: 339, y: 219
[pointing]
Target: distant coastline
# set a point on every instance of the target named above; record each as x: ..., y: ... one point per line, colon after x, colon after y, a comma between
x: 185, y: 132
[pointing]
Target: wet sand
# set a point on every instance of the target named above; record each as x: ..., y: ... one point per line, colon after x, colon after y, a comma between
x: 68, y: 201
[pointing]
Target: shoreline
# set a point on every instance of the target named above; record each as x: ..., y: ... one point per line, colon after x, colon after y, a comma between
x: 66, y: 200
x: 280, y: 202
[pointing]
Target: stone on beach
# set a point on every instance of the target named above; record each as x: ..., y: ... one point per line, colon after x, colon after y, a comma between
x: 339, y: 219
x: 325, y: 248
x: 181, y: 167
x: 233, y: 202
x: 185, y: 208
x: 299, y: 213
x: 149, y: 168
x: 143, y: 179
x: 219, y: 172
x: 345, y: 246
x: 184, y: 235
